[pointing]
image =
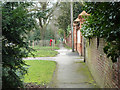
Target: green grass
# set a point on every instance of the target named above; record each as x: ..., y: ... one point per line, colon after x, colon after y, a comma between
x: 40, y: 71
x: 57, y: 43
x: 79, y: 62
x: 44, y: 51
x: 67, y: 46
x: 85, y: 71
x: 46, y: 48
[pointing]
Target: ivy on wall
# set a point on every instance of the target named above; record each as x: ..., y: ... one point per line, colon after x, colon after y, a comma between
x: 104, y: 22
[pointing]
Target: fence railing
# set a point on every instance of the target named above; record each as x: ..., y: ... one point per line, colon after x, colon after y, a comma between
x: 42, y: 43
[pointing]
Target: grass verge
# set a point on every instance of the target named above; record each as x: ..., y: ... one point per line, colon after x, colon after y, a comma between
x: 67, y: 46
x: 85, y: 71
x: 46, y: 48
x: 44, y: 51
x: 40, y: 72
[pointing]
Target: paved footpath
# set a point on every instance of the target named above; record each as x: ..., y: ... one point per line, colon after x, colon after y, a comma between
x: 40, y: 58
x: 71, y: 71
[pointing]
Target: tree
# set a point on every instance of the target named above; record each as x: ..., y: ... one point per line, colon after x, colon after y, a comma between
x: 17, y: 22
x: 63, y: 20
x: 34, y: 35
x: 50, y: 34
x: 77, y: 9
x: 44, y: 13
x: 104, y: 22
x: 61, y: 33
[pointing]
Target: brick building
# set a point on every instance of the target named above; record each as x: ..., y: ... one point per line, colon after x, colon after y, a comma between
x: 78, y: 38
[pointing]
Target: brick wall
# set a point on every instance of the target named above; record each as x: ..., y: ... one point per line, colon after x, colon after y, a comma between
x: 69, y: 40
x: 105, y: 73
x: 75, y: 37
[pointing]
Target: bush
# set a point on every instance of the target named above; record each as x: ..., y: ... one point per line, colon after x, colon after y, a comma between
x: 16, y: 23
x: 104, y: 22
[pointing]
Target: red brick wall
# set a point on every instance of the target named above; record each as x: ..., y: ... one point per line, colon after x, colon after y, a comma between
x: 79, y: 47
x: 105, y: 73
x: 75, y: 37
x: 69, y: 40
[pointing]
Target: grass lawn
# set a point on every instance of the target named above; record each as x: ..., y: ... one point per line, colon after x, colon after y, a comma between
x: 40, y: 71
x: 45, y: 48
x: 45, y: 51
x: 67, y: 46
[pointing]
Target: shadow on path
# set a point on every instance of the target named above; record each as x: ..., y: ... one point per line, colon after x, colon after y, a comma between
x: 71, y: 71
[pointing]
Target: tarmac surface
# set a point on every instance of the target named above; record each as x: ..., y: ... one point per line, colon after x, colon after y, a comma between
x: 71, y: 71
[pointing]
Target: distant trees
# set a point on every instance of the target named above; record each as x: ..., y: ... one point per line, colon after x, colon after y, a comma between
x: 49, y: 34
x: 44, y: 12
x: 77, y: 9
x: 61, y: 33
x: 17, y: 22
x: 34, y: 35
x: 104, y: 22
x: 63, y: 20
x: 22, y: 22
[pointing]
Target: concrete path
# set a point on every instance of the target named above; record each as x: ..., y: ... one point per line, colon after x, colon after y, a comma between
x: 40, y: 58
x: 71, y: 71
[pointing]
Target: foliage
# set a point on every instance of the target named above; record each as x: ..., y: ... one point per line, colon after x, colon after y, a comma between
x: 57, y: 44
x: 63, y: 20
x: 77, y: 9
x: 44, y: 13
x: 40, y: 71
x: 34, y: 34
x: 49, y: 34
x: 104, y: 23
x: 61, y: 33
x: 67, y: 46
x: 68, y: 30
x: 16, y: 23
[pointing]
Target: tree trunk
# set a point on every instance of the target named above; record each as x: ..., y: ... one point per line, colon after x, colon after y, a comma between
x: 43, y: 30
x: 33, y: 44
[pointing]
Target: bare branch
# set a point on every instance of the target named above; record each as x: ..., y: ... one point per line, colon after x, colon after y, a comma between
x: 40, y: 22
x: 52, y: 10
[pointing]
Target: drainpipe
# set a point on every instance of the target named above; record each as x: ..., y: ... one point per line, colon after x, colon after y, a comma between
x: 84, y: 50
x: 119, y: 72
x: 72, y: 25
